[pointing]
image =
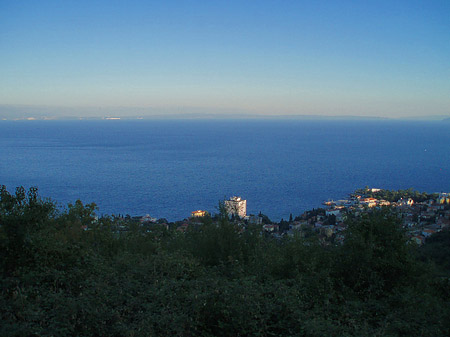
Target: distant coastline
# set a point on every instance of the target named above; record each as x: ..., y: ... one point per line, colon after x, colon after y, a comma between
x: 25, y: 112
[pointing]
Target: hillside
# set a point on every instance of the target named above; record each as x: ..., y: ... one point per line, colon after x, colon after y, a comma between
x: 68, y: 273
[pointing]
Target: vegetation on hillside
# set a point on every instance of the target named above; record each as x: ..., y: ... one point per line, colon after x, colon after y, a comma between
x: 67, y: 273
x: 393, y: 195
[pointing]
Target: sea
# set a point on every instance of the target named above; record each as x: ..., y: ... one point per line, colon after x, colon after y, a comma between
x: 169, y: 168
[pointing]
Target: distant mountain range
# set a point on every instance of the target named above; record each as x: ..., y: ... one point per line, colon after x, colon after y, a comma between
x: 23, y: 112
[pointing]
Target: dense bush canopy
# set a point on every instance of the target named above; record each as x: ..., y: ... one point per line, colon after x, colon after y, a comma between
x: 393, y: 196
x: 67, y: 273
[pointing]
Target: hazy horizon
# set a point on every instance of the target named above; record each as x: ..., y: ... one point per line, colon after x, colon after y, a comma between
x: 268, y: 58
x: 21, y: 112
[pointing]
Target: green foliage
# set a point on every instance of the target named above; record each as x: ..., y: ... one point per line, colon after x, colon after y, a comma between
x: 21, y: 215
x: 265, y: 218
x: 69, y: 273
x: 84, y: 215
x: 437, y: 251
x: 393, y: 196
x: 216, y: 244
x: 375, y: 257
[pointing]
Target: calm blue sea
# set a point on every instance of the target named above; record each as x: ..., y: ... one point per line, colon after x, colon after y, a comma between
x: 170, y: 168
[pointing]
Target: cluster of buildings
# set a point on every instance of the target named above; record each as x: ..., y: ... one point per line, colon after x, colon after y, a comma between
x: 426, y: 218
x: 420, y: 219
x: 236, y: 208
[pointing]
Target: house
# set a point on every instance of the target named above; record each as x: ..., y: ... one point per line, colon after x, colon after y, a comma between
x: 255, y: 220
x: 271, y: 228
x: 369, y: 202
x: 333, y: 211
x: 295, y: 227
x: 147, y: 218
x: 443, y: 198
x: 384, y: 203
x: 428, y: 232
x: 329, y: 203
x: 405, y: 202
x: 298, y: 225
x: 198, y: 214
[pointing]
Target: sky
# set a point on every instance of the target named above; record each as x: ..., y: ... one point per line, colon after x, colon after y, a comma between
x: 362, y: 58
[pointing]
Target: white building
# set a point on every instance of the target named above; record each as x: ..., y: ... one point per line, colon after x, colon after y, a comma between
x: 147, y: 218
x: 236, y: 206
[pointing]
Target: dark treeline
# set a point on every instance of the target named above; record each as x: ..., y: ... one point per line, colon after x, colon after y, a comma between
x: 59, y: 279
x: 395, y: 195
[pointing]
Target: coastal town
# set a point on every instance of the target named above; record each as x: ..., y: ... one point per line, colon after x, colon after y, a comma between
x: 421, y: 215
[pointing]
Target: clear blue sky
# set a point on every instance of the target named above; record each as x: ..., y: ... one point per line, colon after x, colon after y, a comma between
x: 378, y: 58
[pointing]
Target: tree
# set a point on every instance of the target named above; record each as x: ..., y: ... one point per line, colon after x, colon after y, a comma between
x: 331, y: 220
x: 437, y: 249
x: 375, y: 257
x: 83, y: 214
x: 21, y: 214
x: 217, y: 243
x: 265, y: 218
x: 284, y: 225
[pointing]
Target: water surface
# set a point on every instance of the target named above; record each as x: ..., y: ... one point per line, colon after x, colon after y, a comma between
x: 170, y: 168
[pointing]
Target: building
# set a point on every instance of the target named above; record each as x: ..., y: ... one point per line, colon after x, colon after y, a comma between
x: 236, y: 206
x: 444, y: 198
x: 333, y: 211
x: 405, y: 202
x: 369, y: 202
x: 147, y: 218
x: 271, y: 228
x: 198, y: 214
x: 256, y: 220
